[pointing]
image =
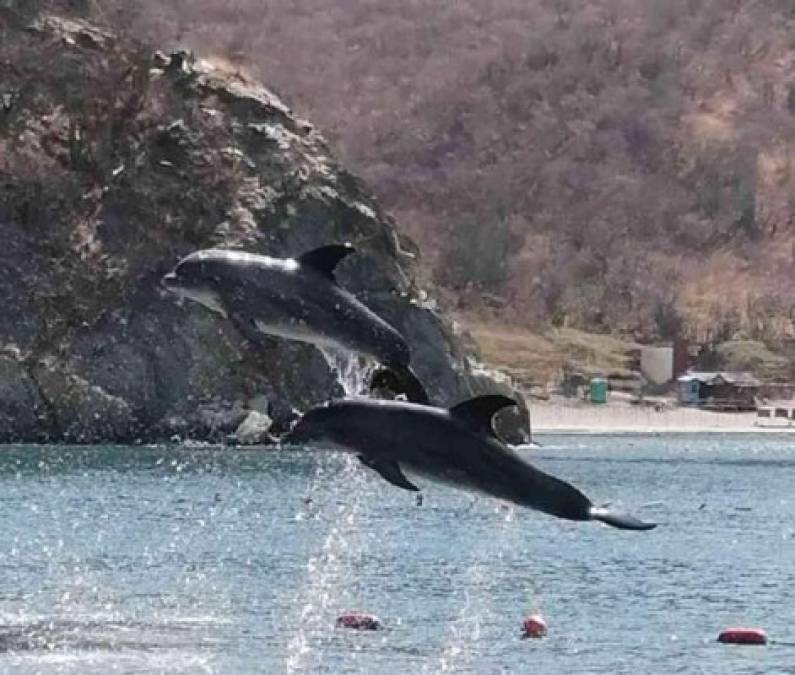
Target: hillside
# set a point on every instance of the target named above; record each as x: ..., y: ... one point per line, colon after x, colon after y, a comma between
x: 534, y: 360
x: 609, y: 165
x: 114, y: 163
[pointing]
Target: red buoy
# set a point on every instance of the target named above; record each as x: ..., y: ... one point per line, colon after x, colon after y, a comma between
x: 534, y: 626
x: 358, y: 621
x: 743, y: 636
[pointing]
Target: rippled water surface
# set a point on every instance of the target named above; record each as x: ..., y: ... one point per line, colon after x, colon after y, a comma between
x: 203, y: 560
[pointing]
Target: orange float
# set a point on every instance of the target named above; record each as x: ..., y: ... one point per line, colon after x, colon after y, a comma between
x: 743, y: 636
x: 534, y: 626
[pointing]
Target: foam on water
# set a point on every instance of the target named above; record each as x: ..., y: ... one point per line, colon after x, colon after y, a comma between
x: 118, y: 661
x: 87, y: 638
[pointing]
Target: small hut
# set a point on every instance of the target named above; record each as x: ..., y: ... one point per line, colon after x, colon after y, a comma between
x: 719, y: 390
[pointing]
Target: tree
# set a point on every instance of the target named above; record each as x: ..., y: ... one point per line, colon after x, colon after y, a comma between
x: 477, y: 254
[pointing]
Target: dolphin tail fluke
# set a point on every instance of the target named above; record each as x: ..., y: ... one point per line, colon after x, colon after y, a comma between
x: 622, y: 521
x: 400, y: 380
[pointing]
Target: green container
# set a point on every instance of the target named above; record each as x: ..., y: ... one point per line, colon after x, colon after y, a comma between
x: 598, y: 390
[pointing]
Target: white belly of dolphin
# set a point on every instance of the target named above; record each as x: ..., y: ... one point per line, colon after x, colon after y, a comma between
x: 205, y: 297
x: 297, y: 332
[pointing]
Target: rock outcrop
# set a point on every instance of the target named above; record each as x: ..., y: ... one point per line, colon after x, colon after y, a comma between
x: 114, y: 163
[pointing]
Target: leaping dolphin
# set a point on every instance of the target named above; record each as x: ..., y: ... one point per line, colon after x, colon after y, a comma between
x: 298, y: 299
x: 456, y: 446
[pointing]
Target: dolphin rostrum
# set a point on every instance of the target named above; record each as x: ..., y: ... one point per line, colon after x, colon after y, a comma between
x: 456, y: 446
x: 298, y: 299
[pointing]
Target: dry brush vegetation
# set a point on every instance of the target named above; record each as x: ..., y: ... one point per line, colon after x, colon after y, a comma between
x: 610, y: 164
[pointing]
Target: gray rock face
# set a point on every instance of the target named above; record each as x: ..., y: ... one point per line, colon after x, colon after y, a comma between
x: 113, y: 165
x: 22, y: 412
x: 80, y: 411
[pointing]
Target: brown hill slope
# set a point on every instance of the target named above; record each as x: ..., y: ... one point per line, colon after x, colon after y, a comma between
x: 608, y: 164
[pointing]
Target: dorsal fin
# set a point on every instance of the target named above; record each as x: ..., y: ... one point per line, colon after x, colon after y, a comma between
x: 326, y: 258
x: 477, y: 413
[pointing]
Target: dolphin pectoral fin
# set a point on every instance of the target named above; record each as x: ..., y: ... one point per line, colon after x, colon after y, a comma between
x: 389, y: 471
x: 246, y: 328
x: 249, y: 331
x: 478, y: 413
x: 622, y: 521
x: 326, y: 258
x: 400, y: 380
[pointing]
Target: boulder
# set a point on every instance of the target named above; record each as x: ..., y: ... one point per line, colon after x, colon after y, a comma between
x: 255, y: 429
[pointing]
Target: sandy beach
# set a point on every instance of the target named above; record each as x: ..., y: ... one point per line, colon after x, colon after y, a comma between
x: 561, y: 415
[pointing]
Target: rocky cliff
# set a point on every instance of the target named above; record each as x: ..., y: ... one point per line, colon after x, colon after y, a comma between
x: 114, y: 163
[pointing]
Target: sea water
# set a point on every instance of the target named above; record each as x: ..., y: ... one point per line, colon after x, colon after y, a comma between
x: 190, y: 560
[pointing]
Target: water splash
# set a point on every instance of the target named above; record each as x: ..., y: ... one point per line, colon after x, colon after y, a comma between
x: 339, y: 483
x: 461, y: 651
x: 465, y: 630
x: 329, y: 573
x: 353, y: 372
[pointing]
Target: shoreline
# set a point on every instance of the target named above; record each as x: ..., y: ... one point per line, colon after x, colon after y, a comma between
x: 578, y: 431
x: 564, y: 417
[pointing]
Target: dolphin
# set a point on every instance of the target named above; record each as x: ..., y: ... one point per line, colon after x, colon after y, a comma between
x: 297, y: 299
x: 456, y: 446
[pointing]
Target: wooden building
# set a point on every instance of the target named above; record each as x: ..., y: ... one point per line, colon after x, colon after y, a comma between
x: 719, y: 390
